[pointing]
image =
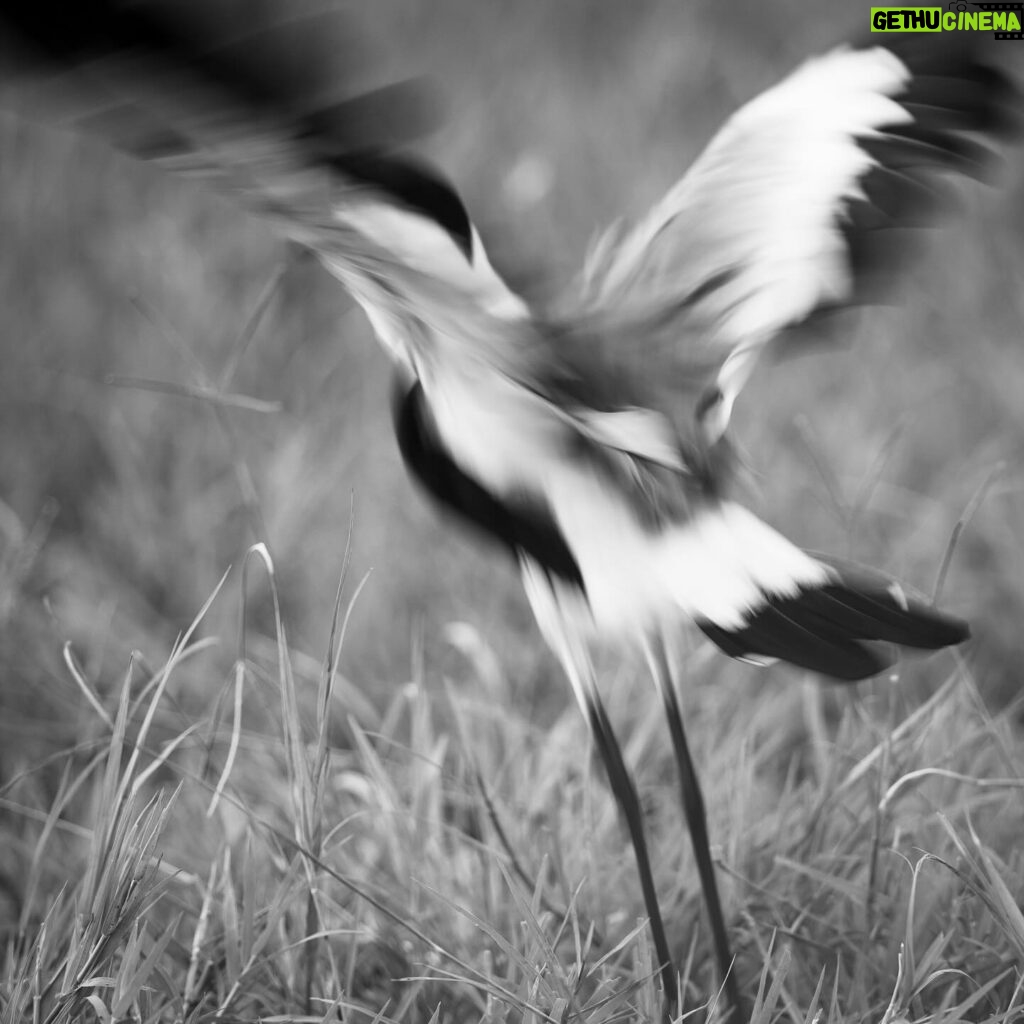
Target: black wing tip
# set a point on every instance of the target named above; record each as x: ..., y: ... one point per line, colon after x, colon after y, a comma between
x: 773, y: 637
x: 957, y: 92
x: 846, y: 629
x: 272, y: 69
x: 964, y: 109
x: 300, y: 66
x: 988, y: 97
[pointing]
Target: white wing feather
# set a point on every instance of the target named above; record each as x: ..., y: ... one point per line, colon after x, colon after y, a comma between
x: 750, y: 241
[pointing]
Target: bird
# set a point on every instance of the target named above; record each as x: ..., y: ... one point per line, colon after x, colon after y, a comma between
x: 589, y: 439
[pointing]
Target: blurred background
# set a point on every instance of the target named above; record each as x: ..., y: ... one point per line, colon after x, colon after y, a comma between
x: 121, y: 507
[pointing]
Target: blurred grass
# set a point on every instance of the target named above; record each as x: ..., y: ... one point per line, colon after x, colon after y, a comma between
x: 120, y: 508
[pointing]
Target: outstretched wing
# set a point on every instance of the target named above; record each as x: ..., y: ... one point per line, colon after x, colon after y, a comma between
x: 268, y: 103
x: 795, y: 207
x: 260, y: 101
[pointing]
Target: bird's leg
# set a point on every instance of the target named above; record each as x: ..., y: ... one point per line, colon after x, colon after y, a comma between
x: 584, y: 683
x: 696, y: 818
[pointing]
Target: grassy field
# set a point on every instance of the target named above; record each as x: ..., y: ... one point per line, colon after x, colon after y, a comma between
x: 392, y: 810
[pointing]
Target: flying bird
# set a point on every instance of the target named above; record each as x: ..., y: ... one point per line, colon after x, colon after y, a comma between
x: 590, y: 439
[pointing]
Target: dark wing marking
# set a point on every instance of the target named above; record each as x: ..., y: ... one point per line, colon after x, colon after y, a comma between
x: 522, y: 526
x: 797, y: 206
x: 837, y: 629
x: 261, y: 100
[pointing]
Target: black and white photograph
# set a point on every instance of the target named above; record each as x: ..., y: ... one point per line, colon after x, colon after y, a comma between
x: 511, y: 512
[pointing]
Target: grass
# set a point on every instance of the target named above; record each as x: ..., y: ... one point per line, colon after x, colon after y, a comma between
x: 277, y: 858
x: 202, y: 820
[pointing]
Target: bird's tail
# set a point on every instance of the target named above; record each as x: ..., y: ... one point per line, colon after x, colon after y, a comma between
x: 841, y: 620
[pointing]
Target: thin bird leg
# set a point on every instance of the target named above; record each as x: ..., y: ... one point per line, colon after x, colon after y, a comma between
x: 584, y: 684
x: 696, y: 818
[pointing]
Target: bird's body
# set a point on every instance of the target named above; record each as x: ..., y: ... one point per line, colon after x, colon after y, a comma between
x: 589, y: 438
x: 640, y: 560
x: 631, y: 547
x: 606, y: 418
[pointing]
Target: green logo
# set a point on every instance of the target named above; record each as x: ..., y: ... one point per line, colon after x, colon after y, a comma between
x: 1002, y: 19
